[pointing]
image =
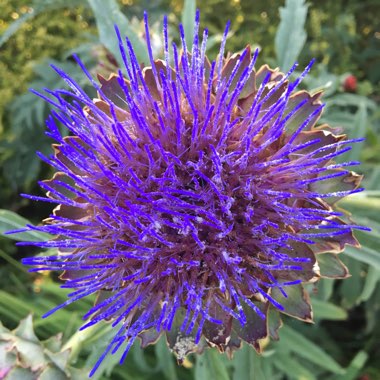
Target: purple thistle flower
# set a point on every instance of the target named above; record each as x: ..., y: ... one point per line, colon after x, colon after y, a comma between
x: 194, y: 197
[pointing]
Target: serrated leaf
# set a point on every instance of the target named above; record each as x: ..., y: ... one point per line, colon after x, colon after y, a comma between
x: 308, y: 350
x: 291, y: 35
x: 27, y: 115
x: 107, y: 15
x: 211, y: 365
x: 9, y: 220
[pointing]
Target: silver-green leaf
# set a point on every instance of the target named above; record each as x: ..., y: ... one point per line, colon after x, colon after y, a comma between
x: 9, y: 221
x: 107, y: 15
x: 291, y: 34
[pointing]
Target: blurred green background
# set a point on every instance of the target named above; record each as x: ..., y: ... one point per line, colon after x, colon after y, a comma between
x: 344, y: 37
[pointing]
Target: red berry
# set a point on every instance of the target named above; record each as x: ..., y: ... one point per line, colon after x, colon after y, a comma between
x: 350, y: 83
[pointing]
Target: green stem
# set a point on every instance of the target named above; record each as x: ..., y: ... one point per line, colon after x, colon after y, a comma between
x: 77, y: 340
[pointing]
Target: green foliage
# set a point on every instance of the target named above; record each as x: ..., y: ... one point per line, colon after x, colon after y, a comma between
x: 24, y: 356
x: 55, y: 29
x: 210, y: 366
x: 107, y: 15
x: 290, y: 36
x: 34, y: 9
x: 342, y: 35
x: 12, y: 221
x: 25, y: 136
x: 343, y: 342
x: 188, y: 16
x: 305, y: 348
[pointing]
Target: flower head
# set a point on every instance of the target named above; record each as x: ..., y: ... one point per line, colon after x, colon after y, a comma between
x: 194, y: 197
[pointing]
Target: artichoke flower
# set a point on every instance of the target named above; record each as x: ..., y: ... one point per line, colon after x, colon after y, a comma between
x: 195, y: 198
